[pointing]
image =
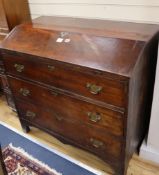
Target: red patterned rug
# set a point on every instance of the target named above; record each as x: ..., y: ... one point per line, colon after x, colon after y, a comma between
x: 18, y: 162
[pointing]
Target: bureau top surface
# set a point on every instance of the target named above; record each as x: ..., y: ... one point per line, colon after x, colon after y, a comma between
x: 70, y: 43
x: 115, y: 29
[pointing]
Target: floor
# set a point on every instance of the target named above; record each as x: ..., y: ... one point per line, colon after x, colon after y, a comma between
x: 137, y: 166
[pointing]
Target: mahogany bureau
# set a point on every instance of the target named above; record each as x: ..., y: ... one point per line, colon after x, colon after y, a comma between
x: 86, y: 82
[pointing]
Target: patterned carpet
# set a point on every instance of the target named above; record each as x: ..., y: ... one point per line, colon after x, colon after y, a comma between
x: 26, y: 156
x: 18, y: 162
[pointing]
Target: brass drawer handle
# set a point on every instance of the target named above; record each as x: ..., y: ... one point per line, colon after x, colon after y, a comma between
x: 24, y: 92
x: 94, y: 89
x: 50, y: 68
x: 94, y: 116
x: 30, y: 114
x: 19, y: 67
x: 96, y: 143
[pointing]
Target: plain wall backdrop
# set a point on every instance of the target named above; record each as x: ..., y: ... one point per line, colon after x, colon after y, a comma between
x: 146, y: 11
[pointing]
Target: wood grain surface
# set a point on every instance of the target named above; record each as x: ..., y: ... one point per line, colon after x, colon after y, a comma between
x: 137, y: 166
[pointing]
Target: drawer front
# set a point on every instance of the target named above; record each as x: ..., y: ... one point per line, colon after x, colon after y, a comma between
x: 87, y: 85
x: 92, y: 139
x: 73, y: 109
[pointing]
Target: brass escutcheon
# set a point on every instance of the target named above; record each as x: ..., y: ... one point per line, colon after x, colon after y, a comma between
x: 19, y: 67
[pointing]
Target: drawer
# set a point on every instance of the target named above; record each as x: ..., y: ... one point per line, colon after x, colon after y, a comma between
x: 90, y: 138
x: 69, y: 79
x: 64, y: 105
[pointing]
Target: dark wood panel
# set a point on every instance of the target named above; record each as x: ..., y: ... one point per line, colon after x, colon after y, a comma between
x: 80, y: 134
x: 5, y: 83
x: 10, y: 101
x: 5, y: 88
x: 101, y: 53
x: 68, y: 107
x: 3, y: 20
x: 1, y: 90
x: 140, y: 98
x: 112, y: 92
x: 16, y: 12
x: 12, y: 13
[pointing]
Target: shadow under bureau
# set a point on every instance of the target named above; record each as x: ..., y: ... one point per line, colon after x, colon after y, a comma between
x: 86, y: 82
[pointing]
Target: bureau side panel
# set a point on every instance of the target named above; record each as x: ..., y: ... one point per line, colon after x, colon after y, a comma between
x: 140, y: 98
